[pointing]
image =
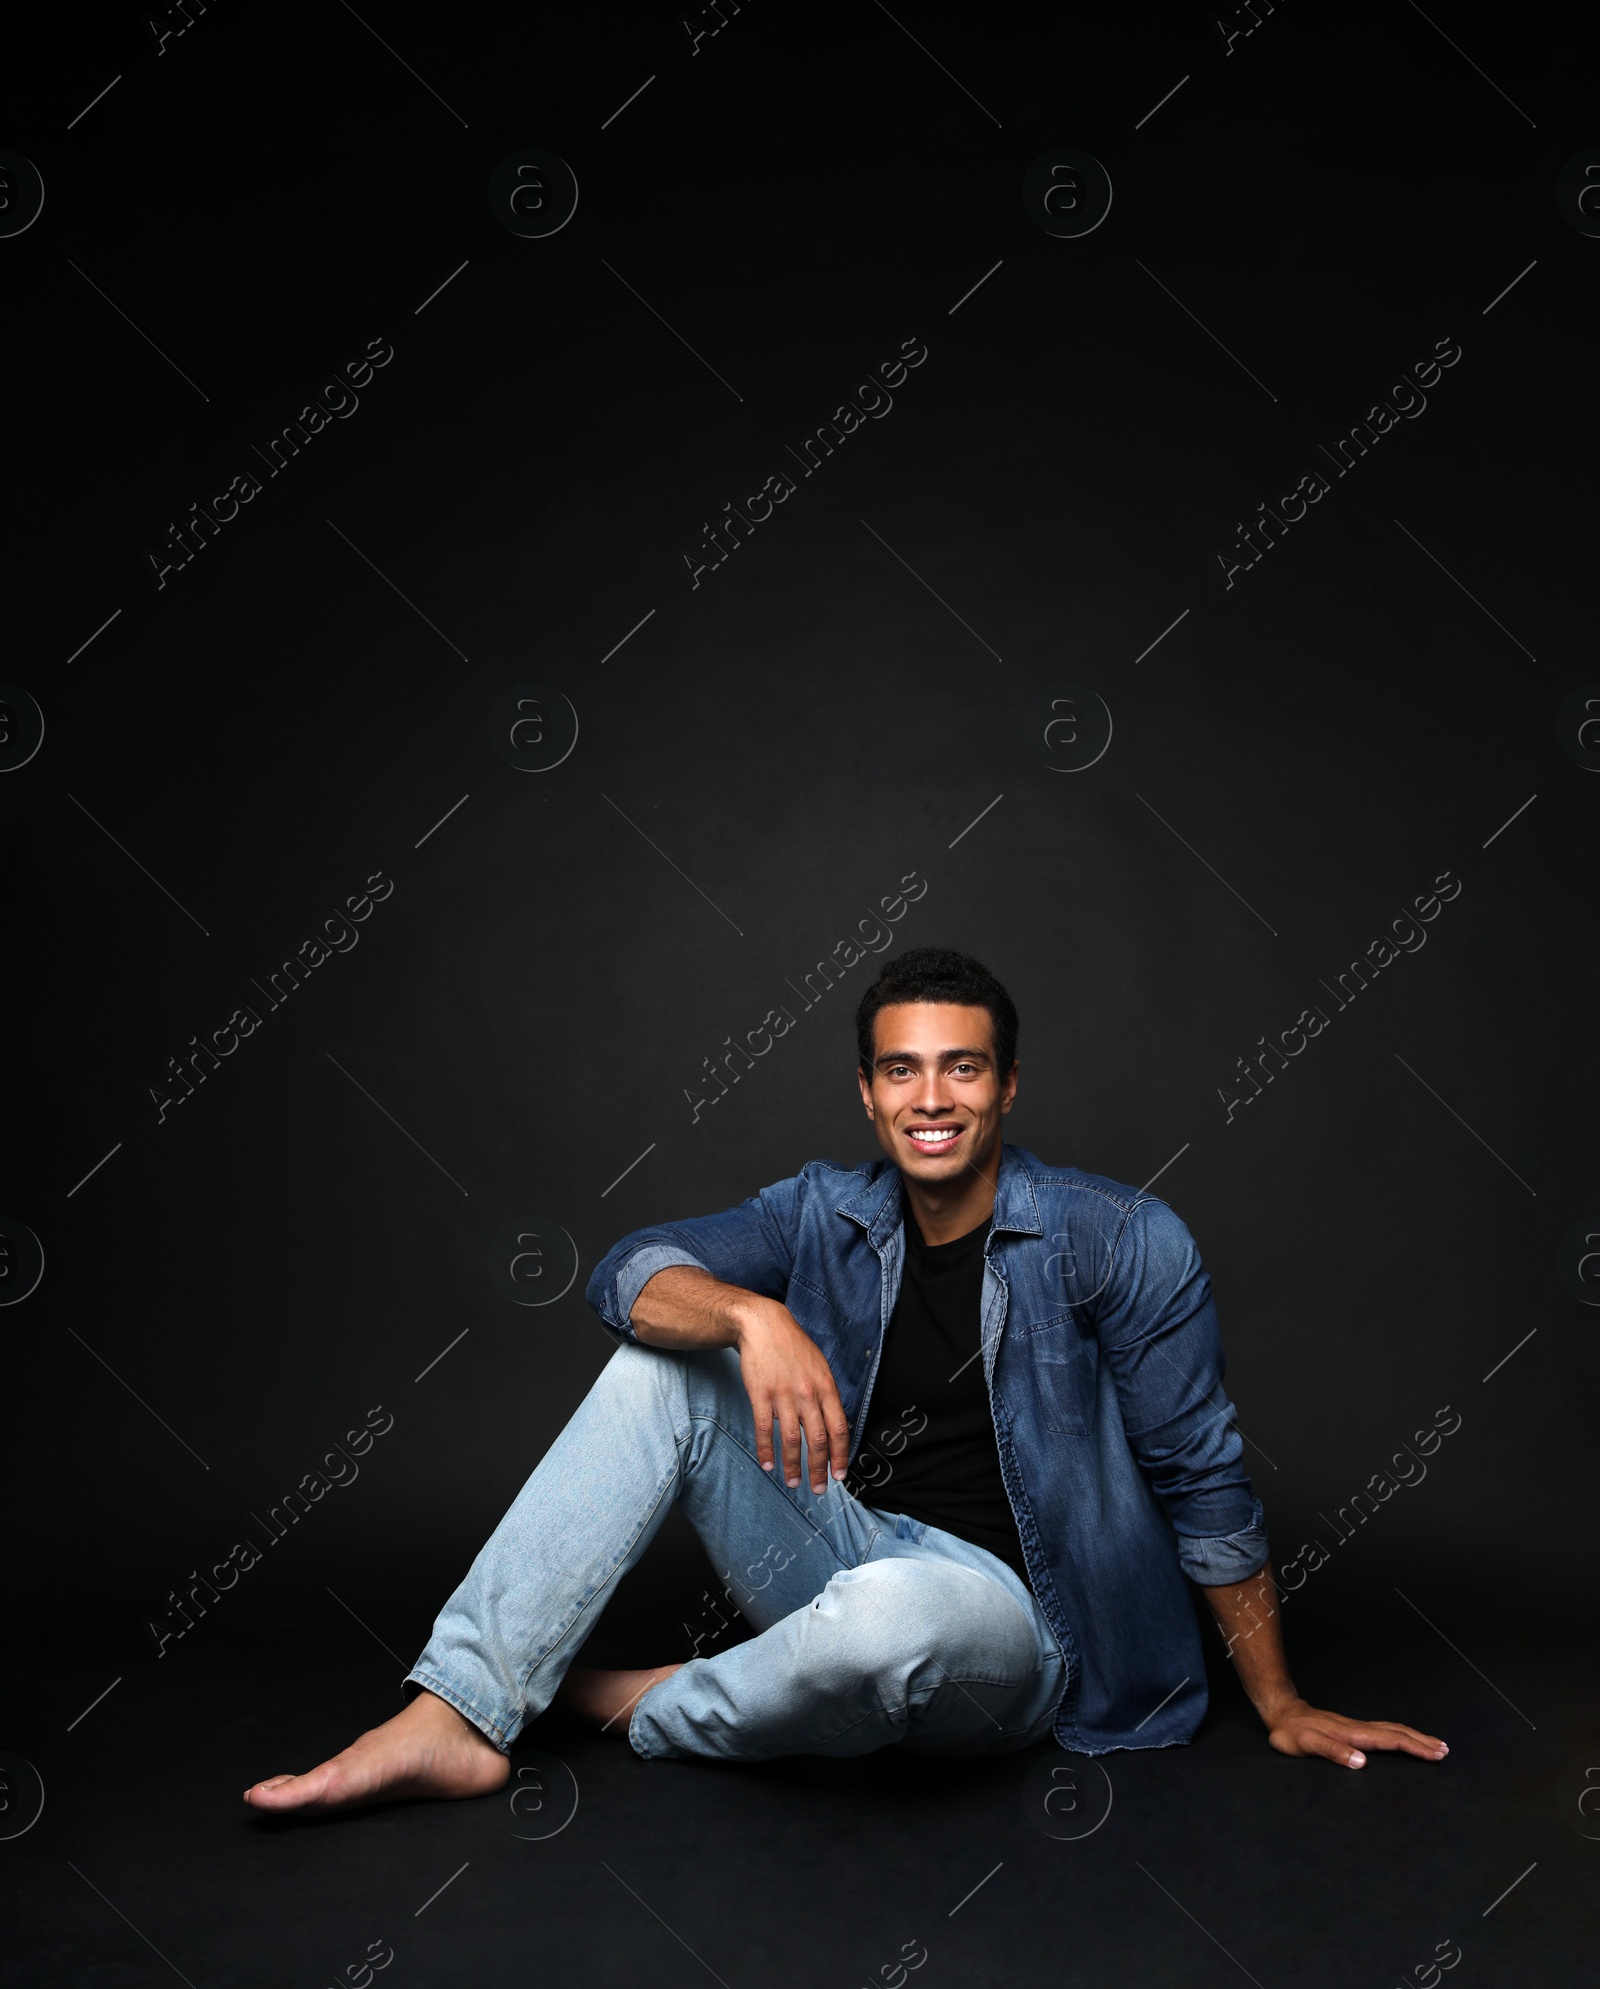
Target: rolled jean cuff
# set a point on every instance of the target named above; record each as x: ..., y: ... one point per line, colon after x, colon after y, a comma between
x: 1227, y: 1558
x: 491, y: 1729
x: 648, y: 1750
x: 637, y: 1272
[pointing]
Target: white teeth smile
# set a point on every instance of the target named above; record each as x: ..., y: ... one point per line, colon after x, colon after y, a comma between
x: 935, y: 1136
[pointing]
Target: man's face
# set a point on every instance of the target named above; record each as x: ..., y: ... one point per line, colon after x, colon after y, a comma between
x: 935, y: 1096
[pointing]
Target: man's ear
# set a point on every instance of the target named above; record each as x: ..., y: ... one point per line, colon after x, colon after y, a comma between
x: 1009, y: 1090
x: 866, y: 1091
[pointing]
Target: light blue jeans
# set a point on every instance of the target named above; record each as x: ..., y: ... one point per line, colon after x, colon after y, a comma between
x: 873, y: 1628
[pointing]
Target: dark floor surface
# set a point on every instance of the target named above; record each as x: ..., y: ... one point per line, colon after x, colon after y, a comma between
x: 1218, y: 1863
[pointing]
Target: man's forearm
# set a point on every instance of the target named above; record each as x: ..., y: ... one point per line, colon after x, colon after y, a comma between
x: 684, y: 1306
x: 1247, y: 1615
x: 784, y: 1371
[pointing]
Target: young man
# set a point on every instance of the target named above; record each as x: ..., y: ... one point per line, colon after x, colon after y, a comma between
x: 1020, y: 1367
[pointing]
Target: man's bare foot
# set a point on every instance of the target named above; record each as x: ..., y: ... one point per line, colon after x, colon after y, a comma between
x: 427, y: 1750
x: 608, y: 1697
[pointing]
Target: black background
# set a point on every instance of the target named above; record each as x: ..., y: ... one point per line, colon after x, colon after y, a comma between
x: 761, y: 759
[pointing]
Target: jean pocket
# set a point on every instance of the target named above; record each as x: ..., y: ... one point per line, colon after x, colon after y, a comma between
x: 1064, y: 1363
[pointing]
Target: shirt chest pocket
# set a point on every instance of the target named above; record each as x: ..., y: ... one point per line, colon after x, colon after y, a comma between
x: 1064, y: 1364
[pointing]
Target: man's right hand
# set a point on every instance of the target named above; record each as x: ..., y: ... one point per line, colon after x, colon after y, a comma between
x: 788, y: 1380
x: 785, y: 1372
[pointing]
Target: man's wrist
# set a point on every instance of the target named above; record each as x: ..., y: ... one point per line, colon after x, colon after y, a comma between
x: 1276, y: 1705
x: 743, y: 1314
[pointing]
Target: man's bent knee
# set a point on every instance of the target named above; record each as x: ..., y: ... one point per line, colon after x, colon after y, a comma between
x: 701, y: 1384
x: 925, y: 1623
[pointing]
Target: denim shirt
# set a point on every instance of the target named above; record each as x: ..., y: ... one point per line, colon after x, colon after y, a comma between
x: 1104, y: 1367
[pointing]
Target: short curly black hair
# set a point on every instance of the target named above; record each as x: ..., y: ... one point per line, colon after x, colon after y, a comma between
x: 938, y: 973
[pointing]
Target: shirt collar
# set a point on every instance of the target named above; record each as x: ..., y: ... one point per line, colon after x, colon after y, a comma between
x: 877, y: 1203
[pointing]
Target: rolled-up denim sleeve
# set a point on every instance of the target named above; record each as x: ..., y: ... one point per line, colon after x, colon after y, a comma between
x: 637, y: 1272
x: 1234, y: 1557
x: 1158, y: 1330
x: 751, y: 1245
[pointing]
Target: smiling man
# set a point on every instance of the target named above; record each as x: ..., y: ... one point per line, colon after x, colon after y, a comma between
x: 951, y: 1427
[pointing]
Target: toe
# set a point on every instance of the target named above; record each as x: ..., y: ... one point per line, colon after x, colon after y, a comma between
x: 288, y: 1791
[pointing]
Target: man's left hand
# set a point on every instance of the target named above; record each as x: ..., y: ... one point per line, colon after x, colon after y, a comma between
x: 1302, y: 1729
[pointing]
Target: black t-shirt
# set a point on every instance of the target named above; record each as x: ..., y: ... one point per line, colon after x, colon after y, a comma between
x: 929, y: 1449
